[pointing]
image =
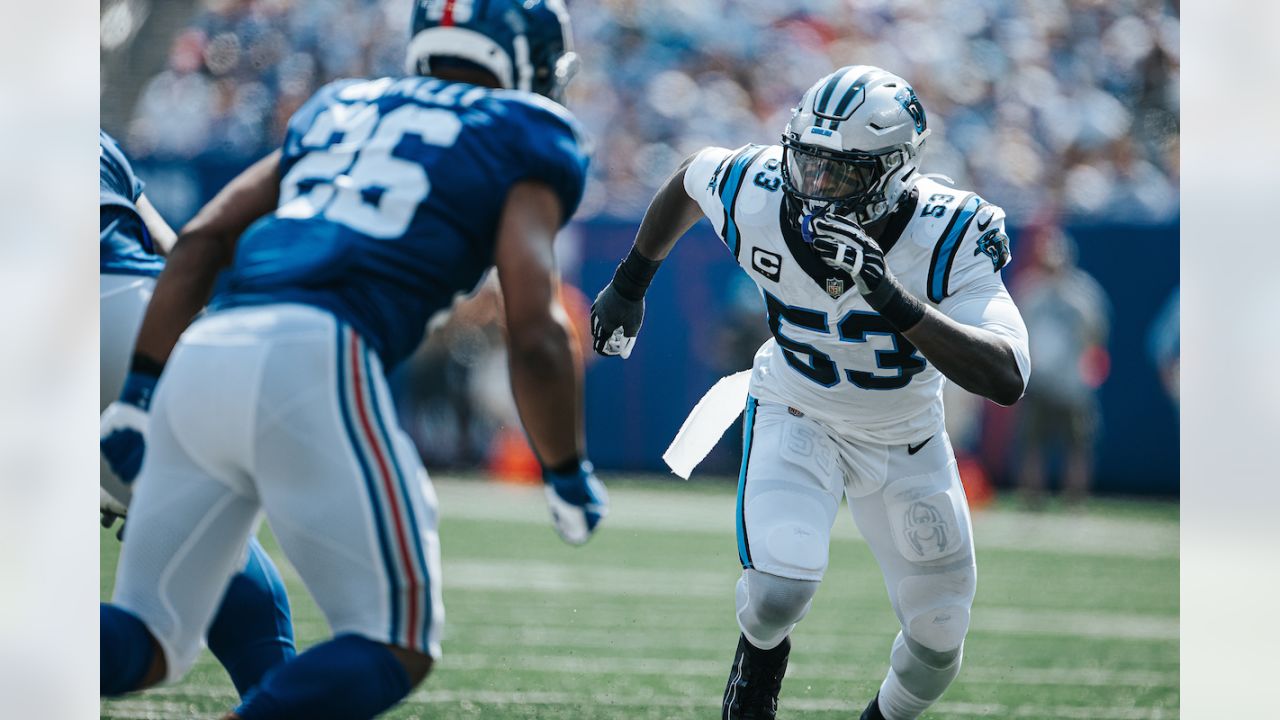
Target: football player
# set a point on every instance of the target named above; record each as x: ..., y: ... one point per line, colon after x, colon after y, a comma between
x: 880, y: 283
x: 390, y: 198
x: 252, y: 630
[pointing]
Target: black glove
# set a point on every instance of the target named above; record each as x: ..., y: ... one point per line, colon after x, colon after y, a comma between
x: 615, y: 322
x: 618, y: 311
x: 844, y: 245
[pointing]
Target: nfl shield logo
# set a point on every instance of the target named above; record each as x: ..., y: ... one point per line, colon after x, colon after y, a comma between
x: 835, y: 287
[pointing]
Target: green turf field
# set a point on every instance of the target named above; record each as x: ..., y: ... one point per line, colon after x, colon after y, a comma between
x: 1076, y: 616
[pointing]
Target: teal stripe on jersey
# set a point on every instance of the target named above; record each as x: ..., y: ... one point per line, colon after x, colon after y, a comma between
x: 944, y: 253
x: 748, y: 430
x: 729, y: 191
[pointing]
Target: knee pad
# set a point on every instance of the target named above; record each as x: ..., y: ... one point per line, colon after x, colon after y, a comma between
x: 769, y: 606
x: 934, y: 609
x: 913, y: 654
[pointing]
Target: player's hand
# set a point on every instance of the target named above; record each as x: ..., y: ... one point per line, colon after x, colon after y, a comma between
x: 123, y: 428
x: 577, y: 500
x: 842, y: 244
x: 615, y: 322
x: 111, y: 509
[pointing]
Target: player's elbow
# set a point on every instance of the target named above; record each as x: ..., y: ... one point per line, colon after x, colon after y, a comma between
x: 202, y: 247
x: 540, y: 348
x: 1007, y: 388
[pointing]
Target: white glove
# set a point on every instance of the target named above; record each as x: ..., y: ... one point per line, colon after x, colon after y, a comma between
x: 578, y: 502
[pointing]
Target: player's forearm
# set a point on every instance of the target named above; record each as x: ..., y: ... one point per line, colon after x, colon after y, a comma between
x: 546, y: 379
x: 181, y: 291
x: 161, y: 234
x: 205, y: 246
x: 977, y: 360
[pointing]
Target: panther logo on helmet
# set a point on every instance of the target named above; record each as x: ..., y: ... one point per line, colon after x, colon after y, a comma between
x: 912, y: 105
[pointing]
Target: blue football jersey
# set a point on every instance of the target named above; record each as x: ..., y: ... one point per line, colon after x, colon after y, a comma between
x: 390, y: 198
x: 124, y: 246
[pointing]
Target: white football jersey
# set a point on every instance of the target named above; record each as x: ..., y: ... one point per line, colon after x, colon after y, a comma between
x: 831, y: 356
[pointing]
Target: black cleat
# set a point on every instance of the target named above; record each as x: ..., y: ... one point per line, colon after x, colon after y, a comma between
x: 754, y: 682
x: 873, y: 710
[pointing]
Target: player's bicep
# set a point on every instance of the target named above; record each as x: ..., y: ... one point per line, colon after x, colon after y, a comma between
x: 524, y: 254
x: 684, y: 207
x: 701, y: 179
x: 668, y: 217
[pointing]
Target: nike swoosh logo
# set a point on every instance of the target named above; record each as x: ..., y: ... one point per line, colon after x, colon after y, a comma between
x: 983, y: 226
x: 913, y: 449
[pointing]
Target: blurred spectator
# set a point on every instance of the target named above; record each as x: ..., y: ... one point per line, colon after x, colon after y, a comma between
x: 1164, y: 346
x: 448, y: 413
x: 1067, y: 316
x: 1063, y: 103
x: 457, y: 403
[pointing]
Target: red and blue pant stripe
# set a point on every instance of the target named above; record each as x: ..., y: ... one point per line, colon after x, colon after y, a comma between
x: 399, y: 539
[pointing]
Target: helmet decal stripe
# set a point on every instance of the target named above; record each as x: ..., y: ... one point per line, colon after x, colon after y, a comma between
x: 446, y: 17
x: 854, y: 90
x: 820, y: 106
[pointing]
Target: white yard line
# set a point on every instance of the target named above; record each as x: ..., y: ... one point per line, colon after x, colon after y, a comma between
x: 610, y: 580
x: 835, y: 648
x: 710, y: 512
x: 139, y: 709
x: 797, y: 670
x: 602, y: 702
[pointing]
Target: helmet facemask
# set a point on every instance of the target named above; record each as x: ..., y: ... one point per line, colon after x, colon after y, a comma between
x: 851, y: 183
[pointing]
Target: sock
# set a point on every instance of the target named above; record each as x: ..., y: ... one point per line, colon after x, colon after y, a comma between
x: 346, y: 678
x: 872, y: 712
x: 125, y: 650
x: 917, y: 678
x: 253, y: 630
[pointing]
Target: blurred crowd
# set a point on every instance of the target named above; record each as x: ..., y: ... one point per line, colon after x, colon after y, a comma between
x: 1060, y: 107
x: 1062, y: 111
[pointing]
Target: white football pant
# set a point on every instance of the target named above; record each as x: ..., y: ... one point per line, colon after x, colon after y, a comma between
x: 909, y: 506
x: 282, y: 409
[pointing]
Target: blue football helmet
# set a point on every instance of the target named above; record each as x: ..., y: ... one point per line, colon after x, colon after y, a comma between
x: 526, y: 44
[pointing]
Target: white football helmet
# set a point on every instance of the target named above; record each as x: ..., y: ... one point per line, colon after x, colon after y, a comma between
x: 853, y: 144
